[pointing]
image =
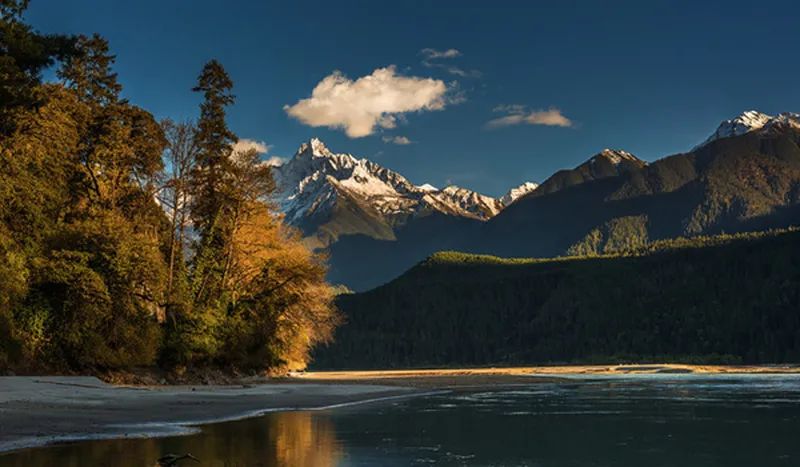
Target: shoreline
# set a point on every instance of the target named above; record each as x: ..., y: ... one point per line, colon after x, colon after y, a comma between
x: 40, y: 411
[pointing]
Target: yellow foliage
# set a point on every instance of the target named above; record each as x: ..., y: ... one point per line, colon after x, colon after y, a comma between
x: 282, y: 285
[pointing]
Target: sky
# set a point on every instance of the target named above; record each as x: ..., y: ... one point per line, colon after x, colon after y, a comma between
x: 485, y: 95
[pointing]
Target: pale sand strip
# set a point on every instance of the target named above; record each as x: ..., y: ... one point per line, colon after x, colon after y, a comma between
x: 656, y: 368
x: 40, y: 410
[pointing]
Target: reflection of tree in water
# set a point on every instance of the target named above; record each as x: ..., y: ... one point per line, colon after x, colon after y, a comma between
x: 279, y: 439
x: 301, y: 438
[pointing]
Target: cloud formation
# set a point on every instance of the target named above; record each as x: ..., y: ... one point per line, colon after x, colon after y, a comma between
x: 275, y: 161
x: 375, y: 100
x: 244, y: 145
x: 430, y: 59
x: 433, y: 54
x: 518, y: 114
x: 400, y: 140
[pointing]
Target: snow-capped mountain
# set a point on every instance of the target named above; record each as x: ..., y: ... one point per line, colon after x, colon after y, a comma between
x: 317, y: 185
x: 517, y: 193
x: 461, y: 202
x: 309, y: 183
x: 752, y: 120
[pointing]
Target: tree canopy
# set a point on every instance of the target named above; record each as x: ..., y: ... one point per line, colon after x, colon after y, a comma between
x: 127, y: 242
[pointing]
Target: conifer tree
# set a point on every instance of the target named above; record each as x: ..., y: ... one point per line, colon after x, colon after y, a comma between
x: 212, y: 183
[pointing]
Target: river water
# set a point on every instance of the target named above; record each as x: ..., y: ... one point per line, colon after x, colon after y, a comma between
x: 659, y: 420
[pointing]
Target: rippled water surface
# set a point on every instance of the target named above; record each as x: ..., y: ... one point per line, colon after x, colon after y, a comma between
x: 636, y: 421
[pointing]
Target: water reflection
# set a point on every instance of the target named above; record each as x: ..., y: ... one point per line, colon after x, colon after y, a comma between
x: 279, y: 439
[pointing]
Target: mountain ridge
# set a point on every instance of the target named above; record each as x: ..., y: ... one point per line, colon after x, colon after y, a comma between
x: 316, y: 183
x: 613, y: 201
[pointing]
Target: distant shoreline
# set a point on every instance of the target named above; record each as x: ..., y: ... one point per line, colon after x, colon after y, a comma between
x: 634, y: 368
x: 38, y: 411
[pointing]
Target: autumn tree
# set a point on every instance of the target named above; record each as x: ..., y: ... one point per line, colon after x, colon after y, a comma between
x: 284, y: 306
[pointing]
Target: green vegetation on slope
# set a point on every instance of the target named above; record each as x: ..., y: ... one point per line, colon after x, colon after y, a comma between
x: 735, y: 297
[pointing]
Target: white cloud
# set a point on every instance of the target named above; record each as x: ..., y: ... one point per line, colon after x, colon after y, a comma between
x: 275, y: 161
x: 401, y: 140
x: 378, y: 99
x: 431, y: 55
x: 518, y: 114
x: 244, y: 145
x: 260, y: 147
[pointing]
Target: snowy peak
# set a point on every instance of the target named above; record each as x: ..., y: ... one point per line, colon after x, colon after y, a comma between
x: 317, y: 180
x: 311, y: 181
x: 463, y: 202
x: 517, y: 193
x: 753, y: 120
x: 744, y: 123
x: 314, y: 148
x: 785, y: 120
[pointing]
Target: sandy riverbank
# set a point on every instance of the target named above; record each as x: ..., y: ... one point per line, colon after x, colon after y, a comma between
x: 512, y: 374
x: 39, y: 410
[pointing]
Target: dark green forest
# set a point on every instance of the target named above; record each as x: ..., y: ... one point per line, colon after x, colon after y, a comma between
x: 131, y: 242
x: 723, y: 299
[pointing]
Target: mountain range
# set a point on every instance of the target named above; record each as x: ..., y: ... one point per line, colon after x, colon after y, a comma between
x: 375, y: 223
x: 328, y: 195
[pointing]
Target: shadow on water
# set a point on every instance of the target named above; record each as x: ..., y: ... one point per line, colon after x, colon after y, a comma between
x: 669, y: 421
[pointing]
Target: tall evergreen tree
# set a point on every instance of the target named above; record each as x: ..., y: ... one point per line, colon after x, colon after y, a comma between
x: 212, y: 182
x: 89, y: 71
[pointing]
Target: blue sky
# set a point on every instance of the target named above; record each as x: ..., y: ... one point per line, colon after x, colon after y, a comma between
x: 651, y: 77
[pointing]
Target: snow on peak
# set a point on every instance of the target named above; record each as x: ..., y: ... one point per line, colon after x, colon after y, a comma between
x: 744, y: 123
x: 463, y: 202
x: 311, y: 182
x: 751, y: 121
x: 615, y: 156
x: 312, y: 179
x: 517, y: 192
x: 314, y: 148
x: 783, y: 120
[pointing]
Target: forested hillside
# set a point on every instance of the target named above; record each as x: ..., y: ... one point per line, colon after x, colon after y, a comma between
x: 725, y: 298
x: 98, y: 269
